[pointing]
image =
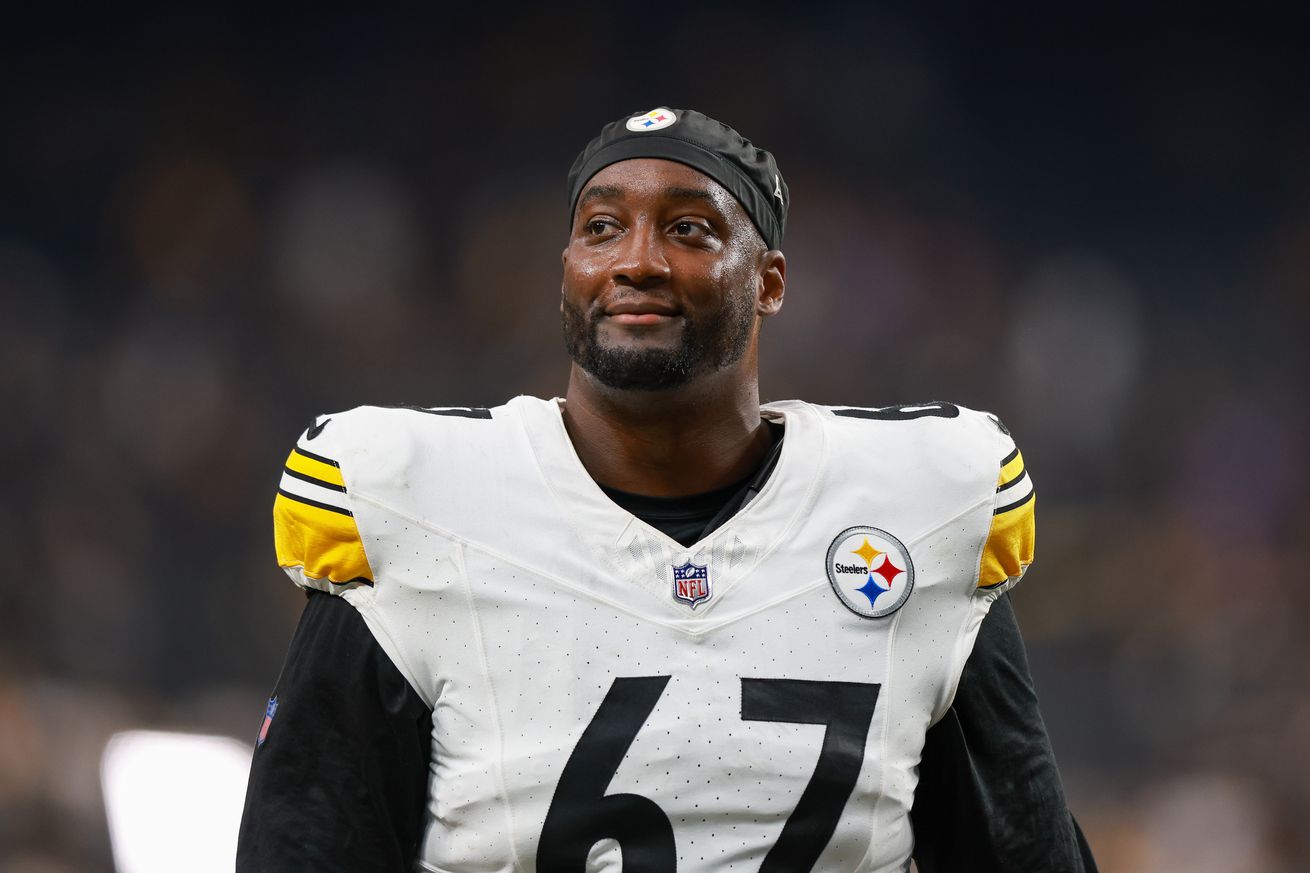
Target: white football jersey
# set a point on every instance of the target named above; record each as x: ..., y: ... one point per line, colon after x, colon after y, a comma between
x: 605, y: 699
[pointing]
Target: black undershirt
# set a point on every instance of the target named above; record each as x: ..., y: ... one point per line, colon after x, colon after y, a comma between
x: 692, y: 518
x: 683, y: 519
x: 341, y: 782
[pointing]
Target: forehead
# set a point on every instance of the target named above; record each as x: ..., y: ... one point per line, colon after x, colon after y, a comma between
x: 656, y: 179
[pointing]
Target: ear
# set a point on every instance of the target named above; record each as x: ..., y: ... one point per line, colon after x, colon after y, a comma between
x: 773, y: 283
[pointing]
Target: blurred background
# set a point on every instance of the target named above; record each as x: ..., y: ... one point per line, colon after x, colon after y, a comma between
x: 215, y: 224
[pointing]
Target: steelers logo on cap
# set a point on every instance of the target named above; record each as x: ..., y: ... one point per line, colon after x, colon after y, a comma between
x: 870, y: 570
x: 656, y: 119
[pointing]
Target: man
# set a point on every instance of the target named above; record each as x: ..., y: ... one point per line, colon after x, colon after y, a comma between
x: 655, y: 625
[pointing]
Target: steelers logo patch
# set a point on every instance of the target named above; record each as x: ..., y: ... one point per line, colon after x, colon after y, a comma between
x: 656, y: 119
x: 870, y: 570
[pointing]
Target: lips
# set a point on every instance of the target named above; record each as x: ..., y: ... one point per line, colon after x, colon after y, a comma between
x: 645, y: 311
x: 641, y: 307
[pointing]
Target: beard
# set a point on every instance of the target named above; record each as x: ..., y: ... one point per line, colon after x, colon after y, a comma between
x: 709, y: 341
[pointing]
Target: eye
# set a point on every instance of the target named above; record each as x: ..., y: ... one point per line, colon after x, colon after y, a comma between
x: 689, y: 228
x: 600, y: 227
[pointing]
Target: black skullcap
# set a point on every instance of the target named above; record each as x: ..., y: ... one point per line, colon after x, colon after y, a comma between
x: 689, y: 137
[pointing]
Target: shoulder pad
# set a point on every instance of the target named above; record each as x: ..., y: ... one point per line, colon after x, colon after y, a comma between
x: 1010, y: 542
x: 314, y: 530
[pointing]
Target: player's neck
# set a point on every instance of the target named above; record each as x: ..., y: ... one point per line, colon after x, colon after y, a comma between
x: 667, y: 443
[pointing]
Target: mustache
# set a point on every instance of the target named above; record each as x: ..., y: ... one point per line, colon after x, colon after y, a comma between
x: 605, y: 302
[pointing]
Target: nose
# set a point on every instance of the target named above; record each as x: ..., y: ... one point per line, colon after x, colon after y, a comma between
x: 639, y: 257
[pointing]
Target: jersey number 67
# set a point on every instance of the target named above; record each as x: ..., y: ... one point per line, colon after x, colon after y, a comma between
x: 581, y: 813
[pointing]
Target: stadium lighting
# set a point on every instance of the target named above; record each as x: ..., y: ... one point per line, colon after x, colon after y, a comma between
x: 173, y: 800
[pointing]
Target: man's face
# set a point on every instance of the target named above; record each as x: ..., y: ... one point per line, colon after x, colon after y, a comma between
x: 662, y: 277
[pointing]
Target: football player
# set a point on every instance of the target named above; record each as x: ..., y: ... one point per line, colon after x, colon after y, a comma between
x: 656, y: 625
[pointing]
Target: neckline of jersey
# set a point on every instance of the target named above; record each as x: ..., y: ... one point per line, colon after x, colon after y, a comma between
x: 703, y: 503
x: 798, y: 451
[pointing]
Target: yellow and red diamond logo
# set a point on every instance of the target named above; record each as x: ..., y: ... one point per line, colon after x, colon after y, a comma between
x: 872, y: 586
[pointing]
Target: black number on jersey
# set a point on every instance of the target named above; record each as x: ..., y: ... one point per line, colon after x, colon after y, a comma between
x: 847, y: 709
x: 905, y: 412
x: 581, y: 813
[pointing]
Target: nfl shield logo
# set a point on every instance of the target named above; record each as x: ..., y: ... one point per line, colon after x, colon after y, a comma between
x: 691, y: 583
x: 268, y: 721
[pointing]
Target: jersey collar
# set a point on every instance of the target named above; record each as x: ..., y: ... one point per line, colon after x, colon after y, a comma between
x: 642, y: 555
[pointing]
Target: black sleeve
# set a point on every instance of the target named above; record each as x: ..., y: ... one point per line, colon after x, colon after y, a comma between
x: 341, y: 779
x: 989, y: 795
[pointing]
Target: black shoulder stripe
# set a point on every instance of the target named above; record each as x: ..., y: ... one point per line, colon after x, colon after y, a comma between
x: 904, y: 412
x: 451, y: 411
x: 313, y: 457
x: 1010, y: 457
x: 1023, y: 474
x: 1016, y: 504
x: 321, y: 484
x: 314, y: 503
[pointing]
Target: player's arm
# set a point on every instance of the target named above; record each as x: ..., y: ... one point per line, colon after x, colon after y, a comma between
x: 989, y: 794
x: 340, y: 779
x: 340, y: 775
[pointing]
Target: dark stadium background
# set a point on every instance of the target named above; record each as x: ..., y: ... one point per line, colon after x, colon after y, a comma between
x: 216, y: 223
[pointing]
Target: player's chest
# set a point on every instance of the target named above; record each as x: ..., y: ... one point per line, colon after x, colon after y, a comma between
x: 581, y: 738
x: 778, y: 718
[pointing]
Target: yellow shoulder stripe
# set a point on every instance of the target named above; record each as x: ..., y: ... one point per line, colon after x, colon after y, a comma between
x: 1009, y: 548
x: 1011, y: 469
x: 316, y: 467
x: 321, y: 539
